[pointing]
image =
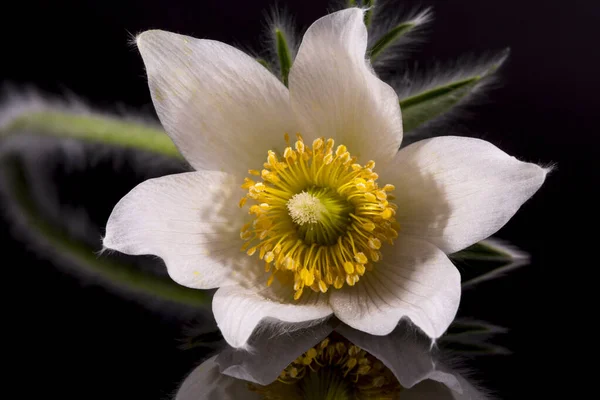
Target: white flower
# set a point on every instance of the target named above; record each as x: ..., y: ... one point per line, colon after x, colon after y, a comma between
x: 314, y: 362
x: 335, y: 233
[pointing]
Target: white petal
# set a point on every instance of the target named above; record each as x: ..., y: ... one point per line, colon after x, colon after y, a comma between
x: 335, y: 92
x: 455, y: 191
x: 190, y: 220
x: 238, y: 309
x: 414, y: 280
x: 406, y: 352
x: 221, y: 108
x: 207, y: 383
x: 271, y: 348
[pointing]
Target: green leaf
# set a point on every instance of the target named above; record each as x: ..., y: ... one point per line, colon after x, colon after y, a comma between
x: 433, y: 102
x: 93, y: 128
x: 390, y: 38
x: 48, y: 236
x: 283, y: 54
x: 486, y: 260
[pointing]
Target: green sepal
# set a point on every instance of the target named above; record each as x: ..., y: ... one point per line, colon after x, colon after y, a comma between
x: 433, y: 102
x: 283, y: 54
x: 389, y: 38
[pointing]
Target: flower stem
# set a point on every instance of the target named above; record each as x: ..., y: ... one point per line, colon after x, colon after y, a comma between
x: 93, y: 128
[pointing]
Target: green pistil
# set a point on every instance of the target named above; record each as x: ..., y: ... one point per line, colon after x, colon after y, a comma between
x: 331, y: 220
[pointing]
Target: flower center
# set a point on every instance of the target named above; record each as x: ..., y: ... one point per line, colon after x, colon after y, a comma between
x: 318, y: 215
x: 321, y: 214
x: 334, y: 369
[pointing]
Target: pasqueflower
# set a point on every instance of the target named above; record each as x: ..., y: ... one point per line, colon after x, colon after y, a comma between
x: 344, y: 364
x: 301, y: 205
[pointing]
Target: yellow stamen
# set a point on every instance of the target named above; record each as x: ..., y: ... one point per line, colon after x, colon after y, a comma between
x: 335, y: 361
x: 318, y: 215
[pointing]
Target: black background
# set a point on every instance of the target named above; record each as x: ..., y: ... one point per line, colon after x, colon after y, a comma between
x: 74, y: 340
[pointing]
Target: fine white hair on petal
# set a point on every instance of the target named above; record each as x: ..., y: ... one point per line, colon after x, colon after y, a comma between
x: 222, y: 108
x: 335, y: 92
x: 455, y: 191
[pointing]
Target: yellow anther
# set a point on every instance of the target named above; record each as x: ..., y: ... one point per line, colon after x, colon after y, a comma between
x: 298, y: 294
x: 387, y: 213
x: 369, y: 226
x: 350, y: 280
x: 329, y: 144
x: 248, y: 183
x: 374, y: 243
x: 322, y: 287
x: 269, y: 256
x: 360, y: 269
x: 308, y: 277
x: 349, y: 267
x: 341, y: 149
x: 361, y: 258
x: 288, y: 153
x: 272, y: 158
x: 389, y: 188
x: 317, y: 144
x: 381, y: 195
x: 319, y: 218
x: 370, y: 197
x: 351, y: 363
